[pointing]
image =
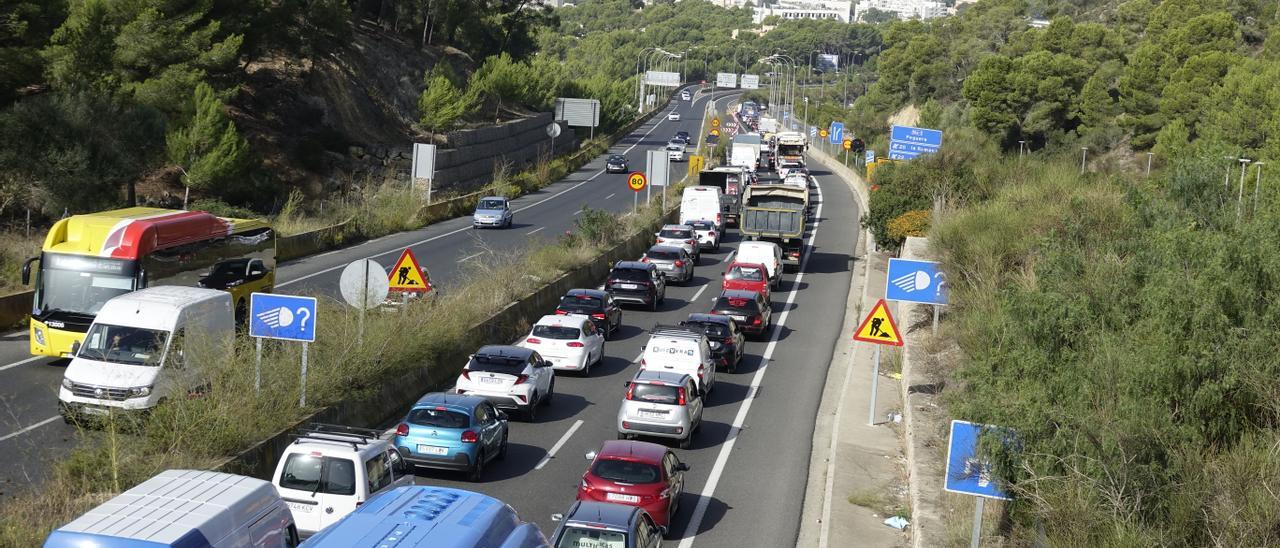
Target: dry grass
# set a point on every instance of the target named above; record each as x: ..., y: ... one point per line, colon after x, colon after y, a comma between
x: 16, y: 248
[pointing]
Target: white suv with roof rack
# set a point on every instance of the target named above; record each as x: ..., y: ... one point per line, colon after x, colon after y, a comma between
x: 329, y: 470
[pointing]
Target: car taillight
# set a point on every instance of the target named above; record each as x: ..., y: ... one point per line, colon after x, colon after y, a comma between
x: 586, y: 486
x: 717, y: 217
x: 561, y: 312
x: 598, y: 316
x: 520, y: 379
x: 644, y: 259
x: 679, y: 264
x: 679, y: 396
x: 691, y: 242
x: 727, y: 340
x: 711, y: 234
x: 466, y: 374
x: 533, y: 340
x: 470, y: 437
x: 575, y: 344
x: 755, y: 320
x: 402, y: 430
x: 631, y: 388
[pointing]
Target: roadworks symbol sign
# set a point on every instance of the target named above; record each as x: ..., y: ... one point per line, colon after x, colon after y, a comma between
x: 407, y: 275
x: 878, y: 327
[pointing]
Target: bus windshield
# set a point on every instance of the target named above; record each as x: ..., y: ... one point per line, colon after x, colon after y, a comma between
x: 81, y: 285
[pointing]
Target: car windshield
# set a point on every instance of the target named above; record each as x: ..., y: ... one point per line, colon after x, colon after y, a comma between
x: 557, y: 332
x: 329, y: 475
x: 714, y: 329
x: 736, y: 304
x: 438, y: 417
x: 675, y: 147
x: 630, y: 275
x: 511, y: 366
x: 490, y: 204
x: 617, y: 158
x: 581, y: 303
x: 702, y: 225
x: 124, y: 345
x: 655, y: 393
x: 663, y: 254
x: 674, y: 234
x: 745, y: 273
x: 70, y: 283
x: 580, y: 537
x: 626, y: 471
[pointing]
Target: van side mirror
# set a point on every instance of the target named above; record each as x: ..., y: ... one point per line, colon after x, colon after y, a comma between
x: 75, y: 348
x: 26, y: 270
x: 557, y: 517
x: 591, y: 455
x: 682, y: 467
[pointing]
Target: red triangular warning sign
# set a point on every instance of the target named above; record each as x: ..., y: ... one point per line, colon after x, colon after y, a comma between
x: 407, y: 276
x: 879, y: 327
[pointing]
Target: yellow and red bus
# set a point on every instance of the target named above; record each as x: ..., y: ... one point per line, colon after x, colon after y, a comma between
x: 89, y: 259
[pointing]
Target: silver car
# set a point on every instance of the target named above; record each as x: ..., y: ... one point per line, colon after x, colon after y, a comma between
x: 661, y: 404
x: 680, y: 236
x: 492, y: 211
x: 673, y: 262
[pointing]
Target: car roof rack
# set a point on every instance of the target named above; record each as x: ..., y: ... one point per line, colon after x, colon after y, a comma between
x: 676, y: 331
x: 337, y: 433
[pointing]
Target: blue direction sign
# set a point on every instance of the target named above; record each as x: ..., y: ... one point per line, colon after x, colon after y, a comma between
x: 835, y: 135
x: 871, y: 156
x: 906, y: 142
x: 916, y: 282
x: 813, y: 131
x: 284, y: 317
x: 968, y: 474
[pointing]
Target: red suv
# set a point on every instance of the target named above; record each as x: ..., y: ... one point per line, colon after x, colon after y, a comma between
x: 747, y: 277
x: 636, y: 473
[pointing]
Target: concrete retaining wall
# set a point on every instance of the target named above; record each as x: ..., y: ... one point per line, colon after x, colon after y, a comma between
x: 296, y: 246
x: 473, y: 153
x: 401, y: 389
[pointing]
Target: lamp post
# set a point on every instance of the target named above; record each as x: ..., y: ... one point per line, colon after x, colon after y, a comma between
x: 1256, y: 185
x: 1084, y: 154
x: 640, y: 81
x: 1244, y: 164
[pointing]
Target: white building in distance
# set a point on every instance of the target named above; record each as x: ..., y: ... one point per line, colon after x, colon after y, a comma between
x: 829, y: 9
x: 905, y: 9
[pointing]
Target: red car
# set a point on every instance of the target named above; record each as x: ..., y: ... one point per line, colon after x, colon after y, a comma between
x: 635, y: 473
x: 747, y: 277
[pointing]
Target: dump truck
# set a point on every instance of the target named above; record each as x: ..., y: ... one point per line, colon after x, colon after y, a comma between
x: 732, y: 181
x: 776, y: 213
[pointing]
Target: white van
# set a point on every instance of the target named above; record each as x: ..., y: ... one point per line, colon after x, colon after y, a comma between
x: 147, y: 346
x: 765, y: 253
x: 680, y: 350
x: 185, y: 508
x: 701, y: 203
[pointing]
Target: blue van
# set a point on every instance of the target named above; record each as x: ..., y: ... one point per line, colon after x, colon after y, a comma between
x: 438, y: 517
x: 186, y: 509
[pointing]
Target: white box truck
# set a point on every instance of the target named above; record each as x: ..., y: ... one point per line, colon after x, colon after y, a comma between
x: 146, y: 346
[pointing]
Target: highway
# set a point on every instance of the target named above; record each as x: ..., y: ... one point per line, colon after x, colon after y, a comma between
x: 748, y: 464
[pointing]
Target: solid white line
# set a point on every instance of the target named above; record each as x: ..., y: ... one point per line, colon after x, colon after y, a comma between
x: 700, y: 290
x: 32, y: 427
x: 530, y: 233
x: 611, y: 195
x: 17, y: 363
x: 704, y: 498
x: 465, y: 228
x: 555, y: 448
x: 469, y: 257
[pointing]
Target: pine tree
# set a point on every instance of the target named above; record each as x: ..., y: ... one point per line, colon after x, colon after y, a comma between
x: 213, y: 156
x: 442, y: 103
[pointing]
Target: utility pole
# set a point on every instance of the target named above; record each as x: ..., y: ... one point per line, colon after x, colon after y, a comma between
x: 1244, y: 165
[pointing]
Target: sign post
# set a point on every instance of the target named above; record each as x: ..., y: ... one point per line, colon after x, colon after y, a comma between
x: 969, y: 474
x: 920, y: 282
x: 424, y: 166
x: 906, y: 142
x: 657, y: 166
x: 286, y: 318
x: 880, y: 329
x: 637, y: 182
x: 363, y: 286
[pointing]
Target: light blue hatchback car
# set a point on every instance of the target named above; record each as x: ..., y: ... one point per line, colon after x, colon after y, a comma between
x: 492, y: 212
x: 452, y: 432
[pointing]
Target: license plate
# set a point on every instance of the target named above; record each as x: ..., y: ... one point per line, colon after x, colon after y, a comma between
x: 652, y: 414
x: 741, y: 319
x: 299, y: 507
x: 490, y: 380
x: 616, y: 497
x: 628, y: 286
x: 88, y: 410
x: 432, y: 450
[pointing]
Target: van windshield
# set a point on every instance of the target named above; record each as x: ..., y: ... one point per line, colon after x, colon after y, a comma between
x: 124, y: 345
x: 580, y: 537
x: 329, y: 475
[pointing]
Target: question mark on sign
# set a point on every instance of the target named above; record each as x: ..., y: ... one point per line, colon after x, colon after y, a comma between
x: 941, y: 282
x: 305, y: 315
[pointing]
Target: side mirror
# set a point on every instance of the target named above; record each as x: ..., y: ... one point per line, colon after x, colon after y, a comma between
x: 557, y: 517
x: 591, y: 455
x: 502, y: 415
x: 682, y: 467
x: 26, y: 270
x: 75, y: 348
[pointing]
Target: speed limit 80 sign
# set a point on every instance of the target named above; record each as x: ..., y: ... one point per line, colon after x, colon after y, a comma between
x: 637, y: 181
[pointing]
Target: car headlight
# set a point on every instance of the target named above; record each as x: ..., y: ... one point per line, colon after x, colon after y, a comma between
x: 140, y: 391
x: 40, y: 336
x: 715, y: 345
x: 66, y: 383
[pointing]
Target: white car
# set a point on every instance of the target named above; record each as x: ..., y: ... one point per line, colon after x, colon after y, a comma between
x: 681, y: 236
x: 768, y: 254
x: 510, y: 377
x: 708, y: 236
x: 570, y: 342
x: 675, y: 152
x: 797, y: 179
x: 674, y: 116
x: 680, y: 350
x: 685, y: 96
x: 785, y: 167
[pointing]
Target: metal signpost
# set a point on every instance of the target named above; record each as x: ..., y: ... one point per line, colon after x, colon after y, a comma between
x: 657, y: 166
x: 836, y: 133
x: 363, y: 285
x: 286, y: 318
x: 921, y: 282
x: 877, y: 328
x: 968, y: 474
x: 726, y: 80
x: 871, y: 157
x: 579, y: 113
x: 750, y: 81
x: 813, y: 132
x: 637, y: 182
x: 906, y: 142
x: 424, y: 166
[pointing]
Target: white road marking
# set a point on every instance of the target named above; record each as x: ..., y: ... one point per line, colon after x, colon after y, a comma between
x: 722, y: 459
x: 556, y: 448
x: 469, y: 257
x: 611, y: 195
x: 700, y: 290
x: 539, y: 229
x: 17, y: 363
x: 32, y: 427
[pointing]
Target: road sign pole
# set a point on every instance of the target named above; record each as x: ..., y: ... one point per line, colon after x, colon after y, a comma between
x: 875, y: 376
x: 635, y: 202
x: 977, y: 523
x: 364, y: 300
x: 257, y: 369
x: 647, y: 193
x: 302, y: 397
x: 935, y: 319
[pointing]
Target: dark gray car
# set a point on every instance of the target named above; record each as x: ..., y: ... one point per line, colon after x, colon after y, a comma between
x: 673, y: 262
x: 590, y: 523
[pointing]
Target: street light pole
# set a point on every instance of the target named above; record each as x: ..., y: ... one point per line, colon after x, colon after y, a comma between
x: 1256, y: 185
x: 1244, y: 164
